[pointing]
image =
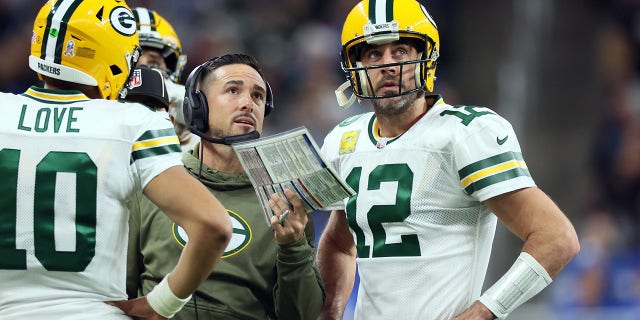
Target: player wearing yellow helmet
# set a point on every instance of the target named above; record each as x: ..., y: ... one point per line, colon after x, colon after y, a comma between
x: 72, y: 158
x: 161, y: 49
x: 161, y: 43
x: 431, y: 182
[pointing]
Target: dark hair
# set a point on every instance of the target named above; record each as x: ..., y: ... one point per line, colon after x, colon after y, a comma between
x: 233, y: 58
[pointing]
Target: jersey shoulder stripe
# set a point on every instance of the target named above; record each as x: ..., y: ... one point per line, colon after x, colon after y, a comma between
x: 498, y: 168
x: 155, y: 142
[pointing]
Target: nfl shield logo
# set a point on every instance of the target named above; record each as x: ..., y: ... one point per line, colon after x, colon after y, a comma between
x: 136, y: 79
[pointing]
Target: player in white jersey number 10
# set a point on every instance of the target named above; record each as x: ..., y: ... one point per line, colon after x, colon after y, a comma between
x: 72, y: 157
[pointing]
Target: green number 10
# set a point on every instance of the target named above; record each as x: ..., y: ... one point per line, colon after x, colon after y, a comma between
x: 44, y: 194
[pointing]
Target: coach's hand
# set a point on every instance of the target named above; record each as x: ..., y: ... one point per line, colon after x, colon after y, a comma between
x: 290, y: 228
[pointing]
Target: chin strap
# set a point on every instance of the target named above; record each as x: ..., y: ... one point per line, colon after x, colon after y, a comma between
x: 343, y: 101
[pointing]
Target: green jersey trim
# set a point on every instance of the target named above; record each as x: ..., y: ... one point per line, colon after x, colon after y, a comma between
x: 501, y: 167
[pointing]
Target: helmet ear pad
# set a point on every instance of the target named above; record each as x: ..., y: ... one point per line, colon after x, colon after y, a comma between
x: 362, y: 79
x: 419, y: 73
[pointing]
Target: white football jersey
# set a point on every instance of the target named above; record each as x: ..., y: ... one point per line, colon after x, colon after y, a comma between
x: 422, y: 235
x: 68, y: 165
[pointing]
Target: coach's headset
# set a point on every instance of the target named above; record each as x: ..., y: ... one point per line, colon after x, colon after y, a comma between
x: 196, y: 109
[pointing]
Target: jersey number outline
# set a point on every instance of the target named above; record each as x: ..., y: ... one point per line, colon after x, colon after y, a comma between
x: 379, y: 214
x: 44, y: 191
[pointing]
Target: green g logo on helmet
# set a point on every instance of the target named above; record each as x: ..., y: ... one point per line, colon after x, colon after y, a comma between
x: 123, y: 21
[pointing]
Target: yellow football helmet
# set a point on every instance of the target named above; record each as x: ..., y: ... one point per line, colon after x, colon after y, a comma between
x: 91, y: 42
x: 380, y: 22
x: 156, y: 32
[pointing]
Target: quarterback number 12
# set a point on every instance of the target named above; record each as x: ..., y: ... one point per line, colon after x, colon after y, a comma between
x: 379, y: 214
x: 44, y: 195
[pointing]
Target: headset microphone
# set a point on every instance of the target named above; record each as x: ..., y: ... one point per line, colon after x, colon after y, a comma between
x: 227, y: 140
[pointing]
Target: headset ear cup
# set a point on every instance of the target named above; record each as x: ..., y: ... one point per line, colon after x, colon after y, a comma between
x: 200, y: 112
x: 186, y: 111
x: 190, y: 104
x: 268, y: 106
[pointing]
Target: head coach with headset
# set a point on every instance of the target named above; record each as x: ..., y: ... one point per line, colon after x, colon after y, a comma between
x: 266, y: 272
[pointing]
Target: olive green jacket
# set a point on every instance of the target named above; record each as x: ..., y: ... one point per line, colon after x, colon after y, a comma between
x: 255, y: 279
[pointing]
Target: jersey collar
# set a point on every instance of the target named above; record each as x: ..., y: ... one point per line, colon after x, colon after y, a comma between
x: 381, y: 142
x: 55, y: 96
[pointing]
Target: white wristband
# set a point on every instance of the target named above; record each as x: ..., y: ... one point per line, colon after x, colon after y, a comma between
x: 163, y: 301
x: 521, y: 282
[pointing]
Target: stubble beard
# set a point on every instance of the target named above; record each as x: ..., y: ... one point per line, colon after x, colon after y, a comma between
x: 394, y: 105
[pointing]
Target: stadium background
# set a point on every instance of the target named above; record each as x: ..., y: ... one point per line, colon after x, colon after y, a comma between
x: 564, y: 73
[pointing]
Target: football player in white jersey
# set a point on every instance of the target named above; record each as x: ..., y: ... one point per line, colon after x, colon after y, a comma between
x: 70, y: 158
x: 161, y: 49
x: 431, y: 181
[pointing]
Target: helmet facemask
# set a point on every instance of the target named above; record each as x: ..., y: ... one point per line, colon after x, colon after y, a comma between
x: 358, y: 74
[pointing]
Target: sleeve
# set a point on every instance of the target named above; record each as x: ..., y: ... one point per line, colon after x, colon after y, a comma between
x: 488, y: 158
x: 299, y: 293
x: 329, y: 152
x: 156, y: 149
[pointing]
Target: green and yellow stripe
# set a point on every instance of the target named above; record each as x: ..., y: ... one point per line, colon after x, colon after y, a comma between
x: 54, y: 96
x: 154, y: 143
x: 492, y: 170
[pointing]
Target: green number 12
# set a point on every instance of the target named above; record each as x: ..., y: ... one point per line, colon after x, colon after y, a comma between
x: 44, y: 194
x: 379, y: 214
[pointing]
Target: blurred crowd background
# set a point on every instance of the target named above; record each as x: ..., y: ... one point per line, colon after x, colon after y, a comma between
x: 564, y: 73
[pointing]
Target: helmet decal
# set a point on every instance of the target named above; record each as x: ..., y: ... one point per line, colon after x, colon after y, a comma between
x: 123, y: 21
x: 70, y: 49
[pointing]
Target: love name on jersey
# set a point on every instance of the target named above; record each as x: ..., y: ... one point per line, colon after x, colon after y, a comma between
x: 49, y: 118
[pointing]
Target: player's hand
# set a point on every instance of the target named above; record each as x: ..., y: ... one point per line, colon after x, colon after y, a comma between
x: 137, y: 308
x: 291, y: 229
x: 477, y: 311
